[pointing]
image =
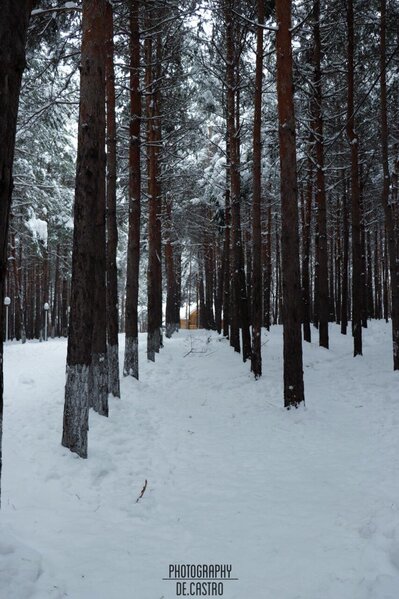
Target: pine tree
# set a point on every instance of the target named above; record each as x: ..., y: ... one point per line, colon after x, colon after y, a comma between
x: 13, y: 32
x: 131, y: 360
x: 353, y: 139
x: 293, y: 369
x: 89, y: 191
x: 256, y: 201
x: 386, y: 204
x: 112, y: 228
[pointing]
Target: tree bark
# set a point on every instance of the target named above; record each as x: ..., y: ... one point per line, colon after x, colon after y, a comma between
x: 54, y: 311
x: 209, y: 268
x: 355, y: 192
x: 345, y: 263
x: 256, y: 359
x: 19, y: 299
x: 267, y: 270
x: 322, y: 248
x: 13, y: 31
x: 293, y: 369
x: 154, y: 273
x: 98, y: 373
x: 306, y: 225
x: 388, y: 208
x: 239, y: 291
x: 90, y: 170
x: 226, y: 266
x: 112, y: 229
x: 131, y: 361
x: 171, y: 324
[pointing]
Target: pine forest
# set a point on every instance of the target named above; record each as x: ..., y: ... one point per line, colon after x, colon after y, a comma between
x: 199, y: 262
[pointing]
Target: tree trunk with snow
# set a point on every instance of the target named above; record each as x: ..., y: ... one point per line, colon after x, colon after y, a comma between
x: 89, y: 188
x: 98, y: 379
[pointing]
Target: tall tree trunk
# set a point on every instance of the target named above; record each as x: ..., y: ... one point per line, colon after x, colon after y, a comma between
x: 278, y: 289
x: 90, y: 171
x: 158, y: 146
x: 112, y: 229
x: 388, y: 208
x: 64, y: 308
x: 338, y: 265
x: 322, y: 248
x: 385, y: 276
x: 98, y: 373
x: 154, y: 278
x: 45, y: 287
x: 307, y: 217
x: 38, y: 299
x: 201, y: 296
x: 131, y: 361
x: 330, y: 280
x: 370, y: 296
x: 377, y: 277
x: 363, y: 276
x: 239, y: 295
x: 19, y: 300
x: 209, y: 267
x: 178, y: 275
x: 345, y: 263
x: 171, y: 324
x: 355, y: 192
x: 256, y: 202
x: 293, y: 369
x: 219, y: 287
x: 31, y: 282
x: 54, y: 311
x: 226, y: 265
x: 13, y: 30
x: 267, y: 270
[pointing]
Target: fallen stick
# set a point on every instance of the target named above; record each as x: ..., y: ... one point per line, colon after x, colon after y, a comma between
x: 142, y: 491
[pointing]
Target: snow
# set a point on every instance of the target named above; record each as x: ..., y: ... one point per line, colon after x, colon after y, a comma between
x: 303, y: 504
x: 38, y: 228
x: 67, y: 6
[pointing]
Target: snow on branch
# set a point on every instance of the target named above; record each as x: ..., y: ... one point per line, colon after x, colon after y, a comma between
x: 67, y: 6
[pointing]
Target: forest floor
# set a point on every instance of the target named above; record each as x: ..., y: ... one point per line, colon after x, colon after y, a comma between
x: 303, y: 504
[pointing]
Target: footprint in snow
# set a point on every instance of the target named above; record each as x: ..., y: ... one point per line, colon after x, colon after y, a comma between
x: 394, y: 555
x: 6, y: 548
x: 24, y: 380
x: 98, y: 476
x: 52, y: 476
x: 367, y: 530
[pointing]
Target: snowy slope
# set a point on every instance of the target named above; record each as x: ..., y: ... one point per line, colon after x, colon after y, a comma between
x: 303, y: 504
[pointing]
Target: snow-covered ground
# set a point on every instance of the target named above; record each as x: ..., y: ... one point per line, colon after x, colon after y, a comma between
x: 303, y: 504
